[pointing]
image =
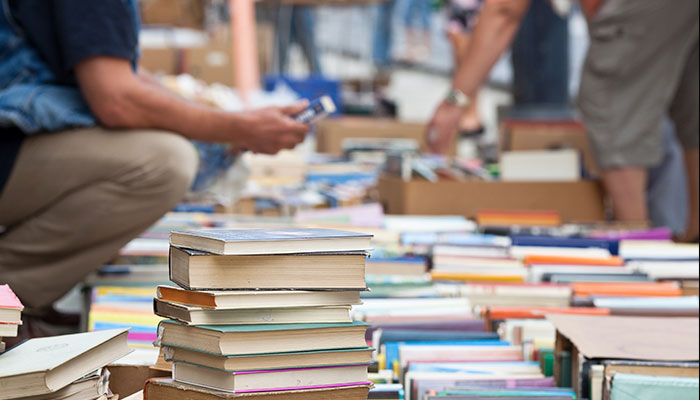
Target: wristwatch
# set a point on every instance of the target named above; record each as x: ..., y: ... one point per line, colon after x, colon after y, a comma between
x: 458, y: 98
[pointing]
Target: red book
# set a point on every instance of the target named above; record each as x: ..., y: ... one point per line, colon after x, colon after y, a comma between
x: 10, y: 307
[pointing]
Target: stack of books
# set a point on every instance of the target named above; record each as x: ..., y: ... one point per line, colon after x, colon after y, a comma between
x: 62, y: 367
x: 266, y: 313
x: 620, y: 357
x: 10, y: 314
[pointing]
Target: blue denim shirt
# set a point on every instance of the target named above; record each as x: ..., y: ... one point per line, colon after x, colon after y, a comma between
x: 29, y: 97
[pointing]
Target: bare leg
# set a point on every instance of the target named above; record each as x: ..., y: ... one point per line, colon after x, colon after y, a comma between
x: 626, y: 188
x: 691, y: 165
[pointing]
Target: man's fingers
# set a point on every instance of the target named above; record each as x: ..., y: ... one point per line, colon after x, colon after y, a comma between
x: 295, y: 108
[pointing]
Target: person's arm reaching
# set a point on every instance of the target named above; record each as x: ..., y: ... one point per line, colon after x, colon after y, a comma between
x: 498, y: 23
x: 121, y: 98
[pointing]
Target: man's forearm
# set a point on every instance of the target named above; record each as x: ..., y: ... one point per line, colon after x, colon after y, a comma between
x: 498, y: 23
x: 121, y: 99
x: 153, y: 106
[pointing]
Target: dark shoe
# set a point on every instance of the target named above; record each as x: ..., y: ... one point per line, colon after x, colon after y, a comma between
x: 472, y: 133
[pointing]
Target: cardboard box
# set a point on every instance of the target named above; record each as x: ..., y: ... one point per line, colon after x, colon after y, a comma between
x: 126, y: 380
x: 212, y: 63
x: 330, y: 133
x: 180, y: 13
x: 575, y: 201
x: 519, y: 135
x: 160, y: 60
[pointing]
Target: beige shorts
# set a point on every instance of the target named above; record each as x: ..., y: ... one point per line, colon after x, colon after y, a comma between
x: 642, y: 67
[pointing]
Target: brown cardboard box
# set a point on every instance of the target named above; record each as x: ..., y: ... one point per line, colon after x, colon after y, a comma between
x: 180, y: 13
x: 547, y: 135
x: 160, y: 60
x: 126, y: 380
x: 574, y: 201
x: 330, y: 133
x: 212, y: 63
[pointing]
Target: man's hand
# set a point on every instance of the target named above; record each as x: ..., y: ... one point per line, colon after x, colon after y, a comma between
x: 272, y: 129
x: 442, y: 130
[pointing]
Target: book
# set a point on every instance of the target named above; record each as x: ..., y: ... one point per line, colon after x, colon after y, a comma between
x: 630, y: 338
x: 89, y: 387
x: 502, y: 218
x: 634, y: 289
x: 262, y: 339
x: 541, y: 166
x: 420, y: 383
x: 167, y: 389
x: 541, y: 259
x: 9, y: 330
x: 650, y: 368
x: 499, y: 313
x: 45, y: 365
x: 272, y: 361
x: 260, y: 242
x: 507, y: 295
x: 515, y: 275
x: 257, y: 299
x: 613, y: 246
x: 271, y: 380
x: 644, y: 387
x: 136, y: 396
x: 192, y: 315
x: 10, y: 307
x: 202, y: 271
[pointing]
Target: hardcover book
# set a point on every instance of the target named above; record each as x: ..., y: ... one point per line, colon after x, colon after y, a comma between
x: 167, y: 389
x: 285, y: 241
x: 201, y: 316
x: 258, y: 298
x: 271, y: 380
x: 197, y: 270
x: 262, y: 339
x: 41, y: 366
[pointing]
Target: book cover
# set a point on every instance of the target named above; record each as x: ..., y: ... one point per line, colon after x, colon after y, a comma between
x: 260, y: 235
x: 167, y: 389
x: 631, y: 338
x: 644, y: 387
x: 8, y: 299
x: 44, y: 365
x: 267, y: 328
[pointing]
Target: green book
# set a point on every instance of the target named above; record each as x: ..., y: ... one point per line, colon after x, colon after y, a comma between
x: 262, y: 339
x: 644, y: 387
x: 272, y: 361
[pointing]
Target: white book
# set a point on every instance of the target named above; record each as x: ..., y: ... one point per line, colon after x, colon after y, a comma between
x: 45, y: 365
x: 541, y: 166
x: 667, y: 269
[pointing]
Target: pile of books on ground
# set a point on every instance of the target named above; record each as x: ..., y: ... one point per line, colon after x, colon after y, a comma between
x: 69, y: 367
x: 10, y: 314
x: 264, y: 314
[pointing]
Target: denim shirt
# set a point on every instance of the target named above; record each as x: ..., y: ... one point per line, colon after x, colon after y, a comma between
x: 29, y: 97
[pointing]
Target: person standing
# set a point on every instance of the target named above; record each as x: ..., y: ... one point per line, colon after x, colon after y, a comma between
x: 641, y: 66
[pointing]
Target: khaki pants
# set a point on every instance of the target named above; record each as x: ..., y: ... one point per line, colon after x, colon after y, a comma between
x: 75, y: 198
x: 642, y: 66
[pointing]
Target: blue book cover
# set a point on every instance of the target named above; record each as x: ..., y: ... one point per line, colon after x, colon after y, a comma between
x: 613, y: 246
